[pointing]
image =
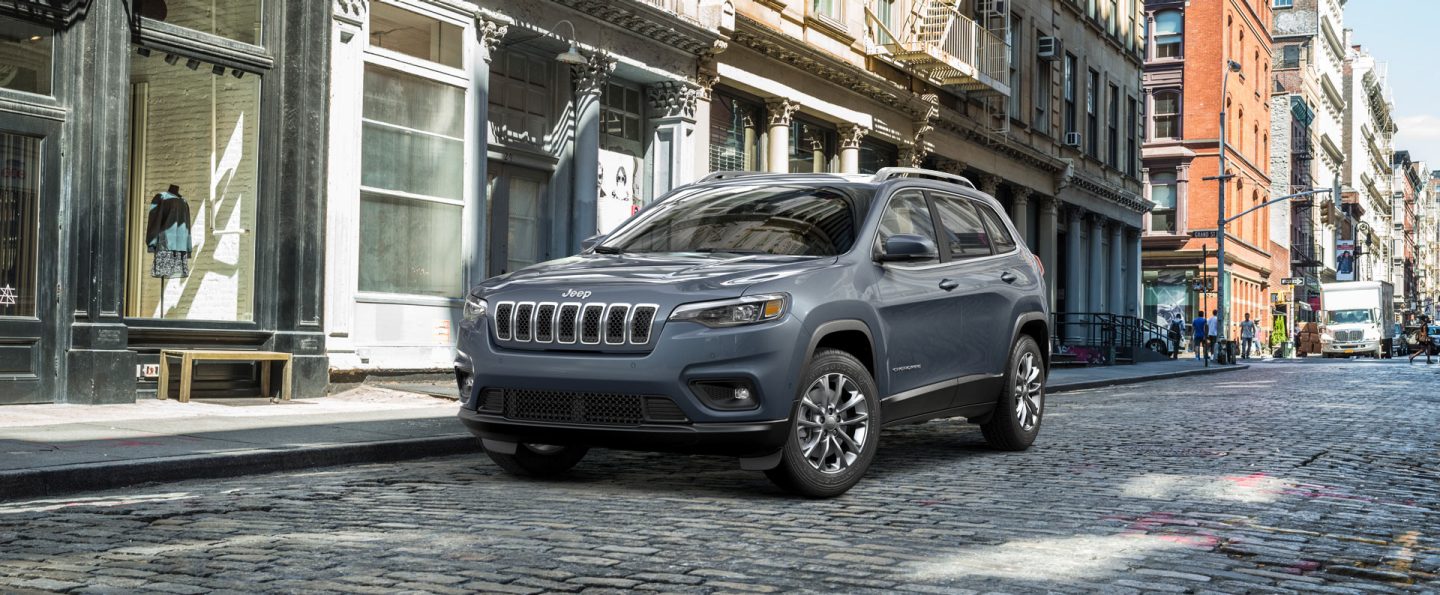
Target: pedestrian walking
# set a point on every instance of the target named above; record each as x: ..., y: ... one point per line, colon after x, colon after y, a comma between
x: 1422, y: 340
x: 1199, y: 326
x: 1247, y: 336
x: 1176, y: 335
x: 1212, y: 334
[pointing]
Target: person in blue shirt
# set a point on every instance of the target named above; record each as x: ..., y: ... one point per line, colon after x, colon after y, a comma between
x: 1200, y: 326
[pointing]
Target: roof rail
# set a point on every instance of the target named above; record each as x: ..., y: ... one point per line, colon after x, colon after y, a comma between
x: 726, y: 175
x: 889, y: 173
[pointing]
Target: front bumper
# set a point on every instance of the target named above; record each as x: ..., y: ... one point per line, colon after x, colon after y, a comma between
x: 765, y: 356
x: 1350, y: 348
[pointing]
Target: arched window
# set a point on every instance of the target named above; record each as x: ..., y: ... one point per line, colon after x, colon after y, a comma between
x: 1169, y: 32
x: 1166, y: 118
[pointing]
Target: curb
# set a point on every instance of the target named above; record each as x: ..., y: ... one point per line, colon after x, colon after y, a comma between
x: 1089, y: 384
x: 62, y: 479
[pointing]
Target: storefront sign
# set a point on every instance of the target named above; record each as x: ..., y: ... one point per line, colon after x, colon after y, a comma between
x: 1345, y: 260
x: 619, y: 189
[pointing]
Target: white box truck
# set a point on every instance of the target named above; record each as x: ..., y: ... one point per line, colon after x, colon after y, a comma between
x: 1359, y: 318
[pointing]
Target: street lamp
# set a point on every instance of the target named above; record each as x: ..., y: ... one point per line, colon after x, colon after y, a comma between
x: 1224, y: 180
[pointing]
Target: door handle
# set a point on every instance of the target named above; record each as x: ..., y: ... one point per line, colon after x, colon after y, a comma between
x: 949, y: 284
x: 1008, y: 277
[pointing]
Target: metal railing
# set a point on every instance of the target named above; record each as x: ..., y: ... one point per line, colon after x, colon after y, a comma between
x: 1104, y: 338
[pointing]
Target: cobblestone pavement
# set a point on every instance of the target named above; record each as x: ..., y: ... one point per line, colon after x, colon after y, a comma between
x: 1304, y: 477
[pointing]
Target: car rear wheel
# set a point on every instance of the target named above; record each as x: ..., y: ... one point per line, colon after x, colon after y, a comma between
x: 835, y: 430
x: 539, y: 460
x: 1157, y: 346
x: 1017, y: 417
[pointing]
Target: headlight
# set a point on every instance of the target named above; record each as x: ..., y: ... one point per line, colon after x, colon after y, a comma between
x: 475, y: 308
x: 750, y: 309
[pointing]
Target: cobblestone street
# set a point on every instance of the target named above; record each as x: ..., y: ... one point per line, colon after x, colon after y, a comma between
x: 1294, y: 477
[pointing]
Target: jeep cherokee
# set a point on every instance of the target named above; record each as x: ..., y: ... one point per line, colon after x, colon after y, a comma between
x: 778, y: 318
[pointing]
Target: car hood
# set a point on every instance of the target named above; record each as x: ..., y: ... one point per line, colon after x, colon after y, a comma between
x: 691, y: 274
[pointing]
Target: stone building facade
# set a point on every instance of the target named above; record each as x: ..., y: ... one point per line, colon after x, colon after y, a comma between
x: 1190, y: 46
x: 1368, y: 175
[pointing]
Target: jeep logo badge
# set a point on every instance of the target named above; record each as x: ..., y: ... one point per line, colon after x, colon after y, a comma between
x: 571, y: 293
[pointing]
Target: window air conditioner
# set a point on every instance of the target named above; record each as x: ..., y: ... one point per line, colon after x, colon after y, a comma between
x: 1072, y: 139
x: 1049, y: 48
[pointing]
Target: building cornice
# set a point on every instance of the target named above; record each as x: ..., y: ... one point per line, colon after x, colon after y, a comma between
x: 651, y: 22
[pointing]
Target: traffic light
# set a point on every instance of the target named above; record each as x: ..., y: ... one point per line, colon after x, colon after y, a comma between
x: 1335, y: 189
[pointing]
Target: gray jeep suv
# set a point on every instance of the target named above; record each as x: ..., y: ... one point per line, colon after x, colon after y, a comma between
x: 779, y: 318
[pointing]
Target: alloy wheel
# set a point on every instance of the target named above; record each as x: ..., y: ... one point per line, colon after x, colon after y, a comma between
x: 833, y: 423
x: 1029, y: 392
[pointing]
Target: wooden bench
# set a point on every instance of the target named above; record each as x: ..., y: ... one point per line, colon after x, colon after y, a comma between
x: 188, y: 357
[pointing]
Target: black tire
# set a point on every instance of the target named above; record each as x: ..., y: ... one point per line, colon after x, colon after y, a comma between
x: 1005, y: 430
x: 796, y: 472
x: 1158, y: 346
x: 539, y: 460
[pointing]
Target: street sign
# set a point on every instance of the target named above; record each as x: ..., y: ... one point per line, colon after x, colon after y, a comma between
x: 1293, y: 281
x: 1202, y: 233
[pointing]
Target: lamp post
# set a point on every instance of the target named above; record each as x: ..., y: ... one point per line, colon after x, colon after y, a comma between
x: 1224, y: 180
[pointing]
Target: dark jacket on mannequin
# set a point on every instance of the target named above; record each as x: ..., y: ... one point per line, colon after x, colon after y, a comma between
x: 168, y: 227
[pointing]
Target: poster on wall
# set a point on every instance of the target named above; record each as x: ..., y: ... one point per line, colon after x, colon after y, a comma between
x: 619, y: 189
x: 1345, y: 260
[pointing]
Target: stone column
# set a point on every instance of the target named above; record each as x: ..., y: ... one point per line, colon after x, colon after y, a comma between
x: 1075, y: 294
x: 589, y: 80
x: 1118, y: 274
x: 672, y: 143
x: 488, y: 35
x: 1049, y: 236
x: 706, y: 85
x: 1096, y: 266
x: 850, y: 137
x: 1020, y: 214
x: 778, y: 113
x: 1134, y: 290
x: 951, y: 166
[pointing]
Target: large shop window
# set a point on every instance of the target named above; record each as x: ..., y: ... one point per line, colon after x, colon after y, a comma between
x: 412, y: 173
x: 875, y: 155
x: 622, y: 154
x: 194, y: 186
x: 19, y: 205
x: 26, y: 56
x: 415, y: 35
x: 234, y: 19
x: 734, y: 136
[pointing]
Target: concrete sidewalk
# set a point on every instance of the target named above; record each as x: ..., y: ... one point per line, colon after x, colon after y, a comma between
x: 47, y: 450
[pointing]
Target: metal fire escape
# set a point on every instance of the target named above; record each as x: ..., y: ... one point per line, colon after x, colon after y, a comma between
x: 942, y: 44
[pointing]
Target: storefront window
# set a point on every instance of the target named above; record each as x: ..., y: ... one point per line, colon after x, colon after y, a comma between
x: 234, y: 19
x: 19, y: 201
x: 194, y: 186
x: 811, y: 146
x: 733, y: 134
x: 875, y: 155
x: 412, y: 191
x: 26, y: 54
x: 412, y: 34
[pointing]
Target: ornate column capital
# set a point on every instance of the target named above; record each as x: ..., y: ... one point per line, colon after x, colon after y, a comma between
x: 912, y: 155
x: 1048, y: 204
x: 590, y: 78
x: 353, y: 12
x: 673, y: 99
x: 951, y: 166
x: 990, y: 183
x: 490, y: 33
x: 706, y: 75
x: 851, y: 135
x: 779, y: 111
x: 1022, y: 194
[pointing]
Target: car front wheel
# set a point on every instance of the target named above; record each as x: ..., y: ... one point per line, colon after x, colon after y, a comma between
x: 539, y: 460
x: 835, y: 430
x: 1017, y: 416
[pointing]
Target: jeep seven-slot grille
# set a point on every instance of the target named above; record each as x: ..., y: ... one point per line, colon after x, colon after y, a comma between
x: 582, y: 407
x: 569, y: 323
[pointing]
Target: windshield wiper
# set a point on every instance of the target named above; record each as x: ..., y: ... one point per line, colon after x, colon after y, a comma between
x: 609, y: 250
x: 727, y: 251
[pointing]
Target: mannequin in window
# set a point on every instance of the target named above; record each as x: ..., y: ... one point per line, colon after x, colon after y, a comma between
x: 167, y: 234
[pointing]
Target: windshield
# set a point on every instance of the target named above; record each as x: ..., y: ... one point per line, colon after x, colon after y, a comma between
x: 1347, y: 316
x: 784, y: 220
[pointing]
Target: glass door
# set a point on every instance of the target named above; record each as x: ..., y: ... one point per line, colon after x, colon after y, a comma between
x: 518, y: 203
x: 27, y: 223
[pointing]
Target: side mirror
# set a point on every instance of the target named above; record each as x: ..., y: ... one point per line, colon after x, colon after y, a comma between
x: 901, y: 247
x: 591, y: 242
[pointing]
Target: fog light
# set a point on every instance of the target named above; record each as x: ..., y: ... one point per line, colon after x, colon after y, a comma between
x: 728, y: 395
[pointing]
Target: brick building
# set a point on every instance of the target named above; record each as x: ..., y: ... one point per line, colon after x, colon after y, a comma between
x: 1185, y: 73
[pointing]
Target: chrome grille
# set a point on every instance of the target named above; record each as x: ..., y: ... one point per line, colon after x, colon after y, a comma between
x: 1349, y: 336
x: 569, y: 323
x: 503, y: 320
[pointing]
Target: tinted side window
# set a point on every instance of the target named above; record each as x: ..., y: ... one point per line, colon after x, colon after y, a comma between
x: 999, y: 234
x: 907, y: 213
x: 964, y: 229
